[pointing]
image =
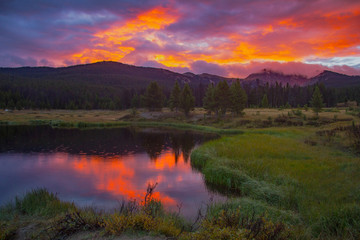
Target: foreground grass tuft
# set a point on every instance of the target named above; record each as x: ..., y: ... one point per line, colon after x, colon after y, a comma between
x: 41, y: 202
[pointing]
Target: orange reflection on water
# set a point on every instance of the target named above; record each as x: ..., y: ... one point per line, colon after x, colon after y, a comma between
x: 127, y: 176
x: 167, y: 160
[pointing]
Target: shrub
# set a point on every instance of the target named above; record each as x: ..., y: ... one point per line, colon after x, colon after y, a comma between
x: 297, y: 112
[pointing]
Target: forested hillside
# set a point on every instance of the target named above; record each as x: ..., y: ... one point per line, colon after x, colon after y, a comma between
x: 111, y: 85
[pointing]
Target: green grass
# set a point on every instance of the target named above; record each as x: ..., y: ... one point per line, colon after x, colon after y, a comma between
x: 317, y: 184
x: 36, y: 206
x: 38, y: 202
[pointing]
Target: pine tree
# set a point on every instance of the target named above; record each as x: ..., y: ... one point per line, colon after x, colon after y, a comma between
x: 154, y: 97
x: 175, y: 97
x: 317, y: 101
x: 264, y: 102
x: 209, y: 99
x: 135, y: 101
x: 222, y: 97
x: 238, y: 98
x: 187, y: 100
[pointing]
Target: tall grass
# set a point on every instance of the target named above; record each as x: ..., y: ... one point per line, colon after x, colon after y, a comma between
x: 38, y: 202
x: 278, y: 169
x: 51, y: 218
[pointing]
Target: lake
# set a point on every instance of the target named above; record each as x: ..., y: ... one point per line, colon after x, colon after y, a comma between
x: 102, y: 167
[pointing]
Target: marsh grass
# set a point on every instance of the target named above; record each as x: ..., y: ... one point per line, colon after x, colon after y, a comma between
x: 277, y: 168
x: 232, y: 223
x: 51, y: 218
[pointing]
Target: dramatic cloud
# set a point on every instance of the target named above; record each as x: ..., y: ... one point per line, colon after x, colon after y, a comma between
x: 231, y: 37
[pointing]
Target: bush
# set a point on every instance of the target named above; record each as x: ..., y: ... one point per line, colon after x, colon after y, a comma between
x: 297, y: 112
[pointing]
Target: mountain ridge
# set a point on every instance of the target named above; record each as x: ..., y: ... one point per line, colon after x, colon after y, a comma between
x: 126, y: 75
x: 120, y: 74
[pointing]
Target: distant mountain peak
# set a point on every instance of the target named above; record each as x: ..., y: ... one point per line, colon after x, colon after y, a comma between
x: 328, y: 72
x: 334, y: 79
x: 270, y: 76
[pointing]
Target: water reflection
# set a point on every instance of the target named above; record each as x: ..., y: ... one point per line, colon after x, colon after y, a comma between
x: 100, y: 167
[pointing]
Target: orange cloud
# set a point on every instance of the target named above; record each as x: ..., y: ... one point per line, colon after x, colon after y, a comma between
x: 178, y: 60
x: 110, y: 42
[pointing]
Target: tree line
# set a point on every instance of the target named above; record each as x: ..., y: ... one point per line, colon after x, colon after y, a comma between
x: 215, y: 98
x: 218, y: 98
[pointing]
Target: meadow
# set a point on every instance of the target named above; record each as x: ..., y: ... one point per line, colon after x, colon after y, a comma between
x: 290, y: 175
x: 251, y: 118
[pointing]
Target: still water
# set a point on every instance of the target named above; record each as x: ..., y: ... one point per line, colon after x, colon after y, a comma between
x: 101, y: 167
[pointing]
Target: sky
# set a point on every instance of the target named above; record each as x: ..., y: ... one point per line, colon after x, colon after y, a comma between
x: 230, y: 38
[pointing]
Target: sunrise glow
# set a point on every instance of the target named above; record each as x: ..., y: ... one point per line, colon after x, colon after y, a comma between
x: 230, y: 38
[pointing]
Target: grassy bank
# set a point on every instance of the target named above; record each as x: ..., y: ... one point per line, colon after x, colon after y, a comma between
x: 314, y: 188
x: 41, y: 215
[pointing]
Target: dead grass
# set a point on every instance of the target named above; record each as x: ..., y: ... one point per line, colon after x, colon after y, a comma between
x: 265, y: 113
x: 252, y: 118
x: 25, y: 116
